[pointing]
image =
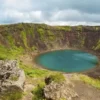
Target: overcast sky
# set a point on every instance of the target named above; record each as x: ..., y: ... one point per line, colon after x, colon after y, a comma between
x: 53, y: 12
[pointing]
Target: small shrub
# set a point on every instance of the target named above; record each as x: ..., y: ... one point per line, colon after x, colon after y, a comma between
x: 34, y: 48
x: 38, y: 92
x: 58, y: 77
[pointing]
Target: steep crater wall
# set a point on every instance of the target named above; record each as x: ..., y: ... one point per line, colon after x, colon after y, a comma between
x: 43, y: 37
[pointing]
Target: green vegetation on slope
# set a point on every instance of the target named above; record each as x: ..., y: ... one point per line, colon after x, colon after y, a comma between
x: 91, y: 81
x: 33, y: 72
x: 58, y: 77
x: 21, y: 34
x: 41, y: 33
x: 38, y: 92
x: 64, y: 28
x: 24, y: 38
x: 12, y: 96
x: 51, y: 36
x: 10, y: 53
x: 11, y: 40
x: 97, y: 46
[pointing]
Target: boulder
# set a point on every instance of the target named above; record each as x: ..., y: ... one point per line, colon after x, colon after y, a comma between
x: 59, y: 91
x: 12, y: 78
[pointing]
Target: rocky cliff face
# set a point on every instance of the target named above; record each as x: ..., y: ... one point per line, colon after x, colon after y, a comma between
x: 43, y: 37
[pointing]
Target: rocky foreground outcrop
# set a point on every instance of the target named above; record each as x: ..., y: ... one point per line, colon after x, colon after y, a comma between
x: 12, y: 78
x: 60, y: 91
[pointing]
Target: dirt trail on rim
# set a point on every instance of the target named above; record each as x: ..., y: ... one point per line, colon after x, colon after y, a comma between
x: 86, y: 92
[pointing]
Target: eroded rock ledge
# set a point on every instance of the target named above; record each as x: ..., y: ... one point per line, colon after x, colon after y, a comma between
x: 12, y: 78
x: 60, y: 91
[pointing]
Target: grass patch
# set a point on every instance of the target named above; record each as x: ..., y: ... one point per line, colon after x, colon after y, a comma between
x: 12, y: 96
x: 33, y: 72
x: 91, y: 81
x: 57, y: 77
x: 23, y: 35
x: 97, y: 46
x: 41, y: 33
x: 10, y: 53
x: 38, y: 92
x: 14, y: 78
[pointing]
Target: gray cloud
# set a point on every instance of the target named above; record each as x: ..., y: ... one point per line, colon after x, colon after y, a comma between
x: 50, y: 11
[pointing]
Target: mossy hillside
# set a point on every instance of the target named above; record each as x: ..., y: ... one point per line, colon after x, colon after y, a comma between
x: 29, y: 29
x: 38, y: 35
x: 10, y: 53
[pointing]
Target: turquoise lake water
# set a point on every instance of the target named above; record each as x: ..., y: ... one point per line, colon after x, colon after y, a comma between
x: 67, y: 60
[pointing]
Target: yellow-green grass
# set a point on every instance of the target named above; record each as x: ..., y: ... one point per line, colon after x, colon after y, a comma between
x: 91, y: 81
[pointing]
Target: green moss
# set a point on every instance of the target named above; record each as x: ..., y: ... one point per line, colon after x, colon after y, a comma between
x: 12, y: 53
x: 64, y: 28
x: 24, y: 38
x: 81, y: 39
x: 12, y: 96
x: 38, y: 92
x: 34, y: 48
x: 14, y: 78
x: 3, y: 52
x: 91, y: 81
x: 97, y: 46
x: 51, y: 36
x: 58, y: 77
x: 63, y: 99
x: 11, y: 40
x: 79, y: 28
x: 20, y: 25
x: 96, y: 28
x: 41, y: 33
x: 33, y: 72
x: 68, y: 28
x: 31, y: 31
